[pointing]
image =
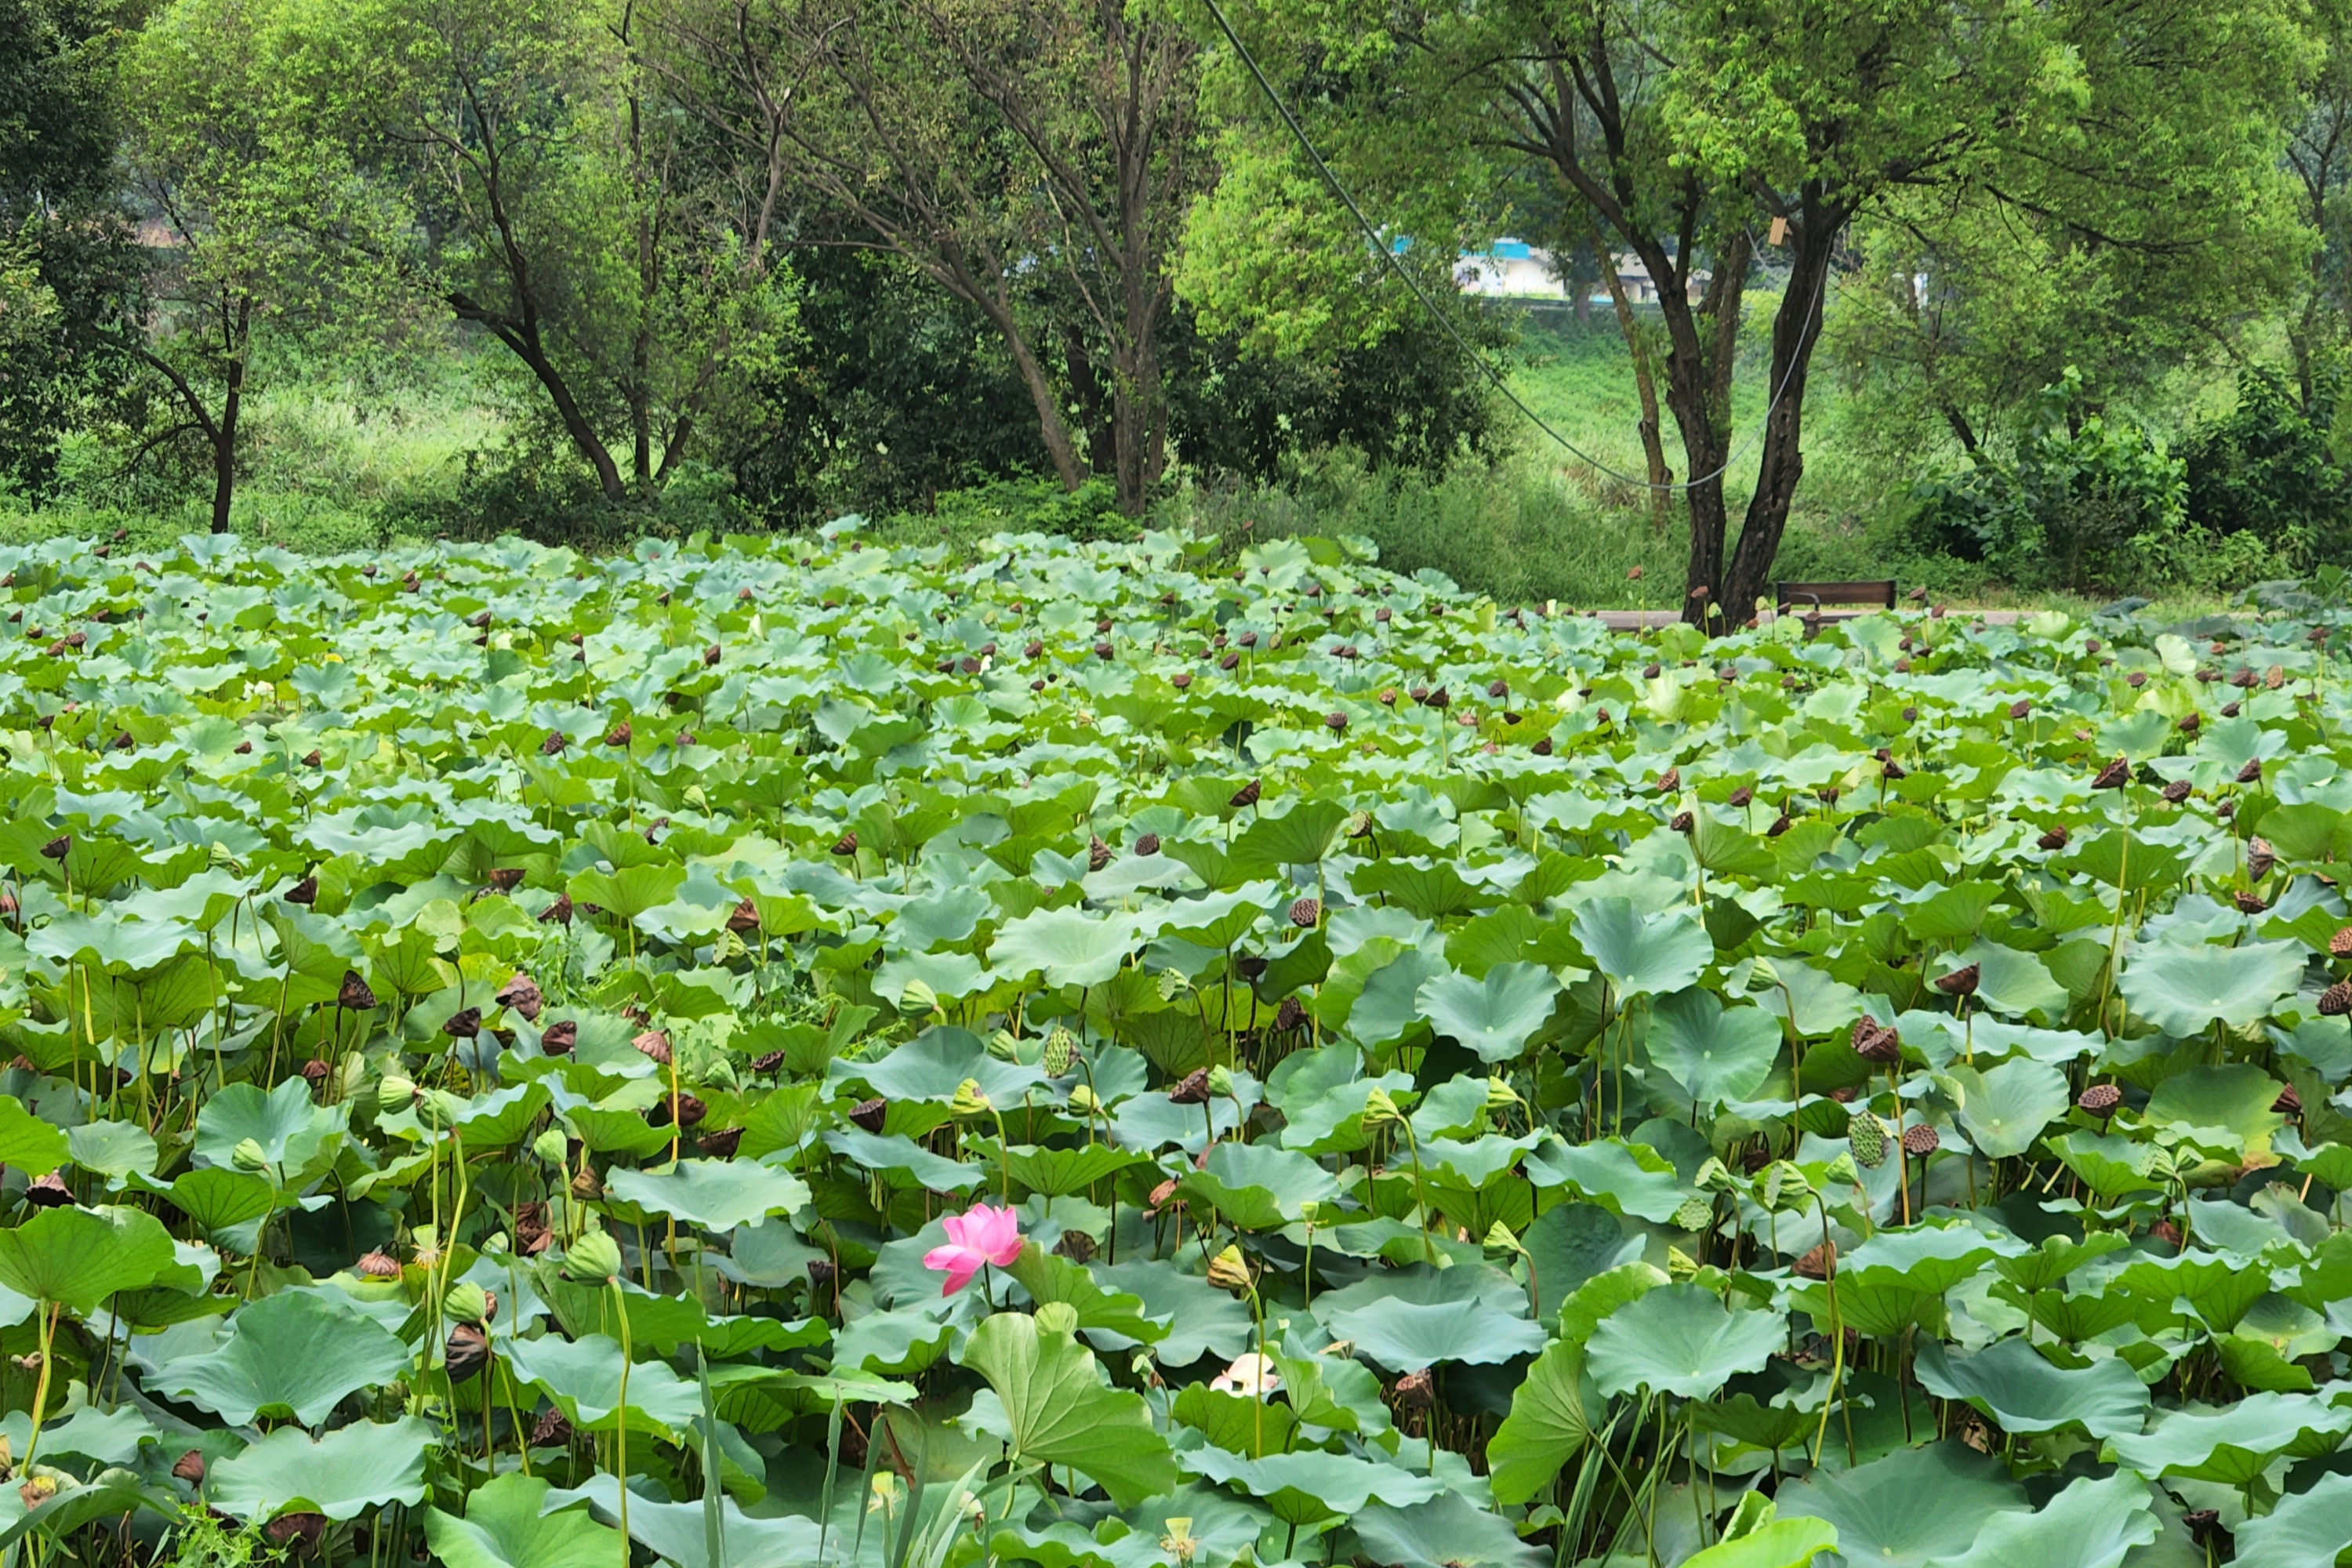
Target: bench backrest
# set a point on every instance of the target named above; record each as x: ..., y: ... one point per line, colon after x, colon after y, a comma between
x: 1816, y: 595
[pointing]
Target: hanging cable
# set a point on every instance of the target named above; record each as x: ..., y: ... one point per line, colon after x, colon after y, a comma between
x: 1373, y: 238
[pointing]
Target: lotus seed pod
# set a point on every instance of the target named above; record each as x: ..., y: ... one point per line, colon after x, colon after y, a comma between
x: 1193, y: 1089
x: 1920, y: 1141
x: 2101, y: 1100
x: 465, y: 1302
x: 1061, y: 1053
x: 2337, y: 1000
x: 1693, y: 1215
x: 1306, y: 913
x: 593, y: 1259
x: 1867, y: 1135
x: 2260, y: 857
x: 248, y: 1156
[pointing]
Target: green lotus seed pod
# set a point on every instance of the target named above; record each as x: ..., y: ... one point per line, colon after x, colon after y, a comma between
x: 1693, y: 1215
x: 551, y: 1146
x: 1061, y: 1053
x: 249, y: 1156
x: 593, y: 1259
x: 466, y: 1303
x: 1867, y: 1134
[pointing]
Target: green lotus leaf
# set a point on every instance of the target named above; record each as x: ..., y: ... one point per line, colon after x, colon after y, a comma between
x: 1912, y: 1509
x: 2019, y: 1387
x: 2091, y: 1524
x: 1779, y: 1543
x: 1681, y: 1339
x: 299, y: 1354
x: 1068, y: 946
x: 679, y: 1532
x: 1449, y: 1531
x: 1411, y: 1318
x: 2235, y: 1444
x: 27, y: 1142
x: 2183, y: 988
x: 1715, y: 1052
x: 344, y: 1473
x: 2312, y: 1527
x: 283, y: 1122
x: 503, y: 1527
x: 1653, y: 953
x: 718, y: 1195
x: 1259, y: 1186
x: 1058, y: 1411
x: 1493, y: 1016
x: 583, y: 1376
x: 2005, y: 1108
x: 1624, y: 1178
x: 81, y: 1256
x: 110, y: 1149
x: 1550, y: 1423
x: 2236, y: 1096
x: 1308, y: 1484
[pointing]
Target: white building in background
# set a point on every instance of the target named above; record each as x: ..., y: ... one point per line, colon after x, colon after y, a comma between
x: 1514, y: 270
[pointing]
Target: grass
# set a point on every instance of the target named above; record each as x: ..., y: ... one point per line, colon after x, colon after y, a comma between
x: 342, y: 460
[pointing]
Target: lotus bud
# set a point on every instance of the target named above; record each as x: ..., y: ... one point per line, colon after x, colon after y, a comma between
x: 1841, y: 1171
x: 1715, y: 1177
x: 1500, y: 1239
x: 248, y: 1156
x: 1061, y: 1053
x: 1379, y: 1109
x: 1229, y: 1270
x: 551, y: 1146
x: 594, y: 1259
x: 1083, y: 1100
x: 396, y: 1091
x: 1309, y: 1210
x: 465, y: 1302
x: 1500, y: 1095
x: 1221, y: 1081
x: 969, y: 1100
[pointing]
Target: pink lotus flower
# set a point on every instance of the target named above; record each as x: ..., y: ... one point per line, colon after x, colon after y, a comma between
x: 985, y: 1234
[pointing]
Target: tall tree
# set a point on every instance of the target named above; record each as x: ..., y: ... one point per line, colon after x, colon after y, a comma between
x: 542, y: 196
x: 1697, y: 133
x: 1033, y: 157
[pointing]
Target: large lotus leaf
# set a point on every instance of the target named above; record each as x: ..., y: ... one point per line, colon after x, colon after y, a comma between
x: 1309, y: 1484
x: 1411, y: 1318
x: 295, y: 1353
x: 2004, y: 1108
x: 351, y: 1469
x: 2182, y: 988
x: 2235, y: 1444
x: 1681, y: 1339
x: 2236, y: 1096
x: 1778, y: 1543
x: 1449, y: 1531
x: 1717, y: 1053
x: 1109, y: 1317
x: 110, y: 1148
x: 2109, y: 1164
x: 80, y: 1257
x: 503, y: 1527
x: 2010, y: 982
x: 27, y: 1142
x: 1069, y: 947
x: 1654, y: 953
x: 1568, y: 1244
x: 110, y: 1495
x: 1056, y: 1410
x: 1624, y: 1178
x: 1389, y: 1007
x: 1201, y: 1319
x: 2309, y: 1530
x: 1914, y: 1507
x: 718, y: 1195
x: 934, y: 1064
x: 2091, y: 1524
x: 678, y: 1532
x: 1259, y: 1186
x: 283, y: 1122
x: 1929, y: 1258
x: 2017, y: 1386
x: 1549, y: 1422
x: 583, y: 1376
x: 1493, y: 1016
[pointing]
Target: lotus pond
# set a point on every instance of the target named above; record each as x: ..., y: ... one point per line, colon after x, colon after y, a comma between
x: 788, y: 1051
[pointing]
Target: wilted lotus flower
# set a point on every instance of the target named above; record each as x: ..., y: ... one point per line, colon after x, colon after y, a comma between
x: 190, y: 1467
x: 302, y: 1531
x: 2176, y: 792
x: 1683, y: 822
x: 559, y: 912
x: 846, y: 844
x: 870, y: 1114
x: 722, y: 1144
x: 559, y: 1039
x: 1099, y: 854
x: 1194, y: 1089
x: 618, y: 735
x: 354, y: 996
x: 2115, y: 775
x: 553, y: 1430
x: 464, y: 1024
x: 1670, y: 781
x: 1228, y: 1270
x: 982, y: 1235
x: 553, y: 745
x: 1246, y: 795
x: 2248, y: 903
x: 305, y: 891
x: 504, y: 879
x: 2260, y: 856
x: 2288, y: 1103
x: 2253, y: 771
x: 1876, y: 1042
x: 1960, y: 982
x: 2054, y: 839
x: 1252, y: 1375
x: 467, y: 1353
x: 1416, y: 1390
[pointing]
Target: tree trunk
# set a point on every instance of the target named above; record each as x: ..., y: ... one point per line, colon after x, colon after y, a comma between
x: 1701, y: 340
x: 224, y: 443
x: 521, y: 336
x: 1796, y: 328
x: 1645, y: 387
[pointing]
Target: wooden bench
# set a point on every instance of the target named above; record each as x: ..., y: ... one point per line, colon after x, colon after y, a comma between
x: 1818, y: 596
